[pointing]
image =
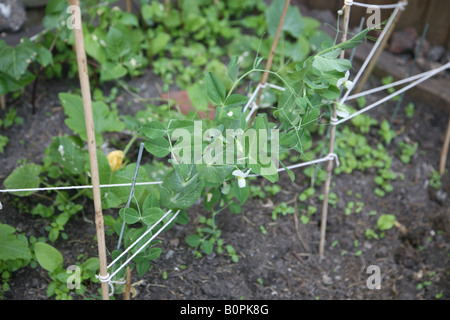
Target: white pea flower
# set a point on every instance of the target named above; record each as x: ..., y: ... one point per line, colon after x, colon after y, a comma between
x: 133, y: 62
x: 342, y: 111
x: 241, y: 177
x: 344, y: 81
x: 230, y: 114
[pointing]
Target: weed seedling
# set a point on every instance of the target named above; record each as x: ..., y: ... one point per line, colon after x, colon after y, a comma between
x: 284, y: 209
x: 406, y: 151
x: 435, y: 179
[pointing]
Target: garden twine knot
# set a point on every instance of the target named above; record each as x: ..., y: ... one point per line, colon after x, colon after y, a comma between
x: 402, y: 5
x: 333, y: 156
x: 107, y: 279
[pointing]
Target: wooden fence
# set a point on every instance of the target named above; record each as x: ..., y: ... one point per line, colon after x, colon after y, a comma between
x: 417, y: 14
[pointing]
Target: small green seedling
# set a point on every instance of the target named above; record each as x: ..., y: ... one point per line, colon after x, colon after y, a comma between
x: 407, y: 151
x: 283, y: 208
x: 435, y: 179
x: 410, y: 110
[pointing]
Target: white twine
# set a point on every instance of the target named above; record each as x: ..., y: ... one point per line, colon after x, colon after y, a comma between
x: 400, y: 5
x: 110, y: 282
x: 393, y: 84
x: 372, y: 52
x: 252, y: 110
x: 330, y: 156
x: 259, y: 87
x: 108, y: 278
x: 424, y: 76
x: 80, y: 187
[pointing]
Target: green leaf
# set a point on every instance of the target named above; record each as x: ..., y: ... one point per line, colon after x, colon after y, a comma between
x: 3, y: 142
x: 48, y: 257
x: 206, y: 246
x: 158, y: 147
x: 289, y: 172
x: 10, y: 84
x: 233, y: 68
x: 154, y: 130
x: 15, y: 60
x: 113, y: 197
x: 323, y: 63
x: 214, y: 173
x: 44, y: 56
x: 117, y: 44
x: 198, y: 97
x: 129, y: 215
x: 150, y: 201
x: 355, y: 41
x: 94, y: 48
x: 215, y: 89
x: 91, y: 264
x: 299, y: 50
x: 241, y: 193
x: 69, y: 153
x: 159, y: 43
x: 151, y: 215
x: 385, y: 222
x: 12, y: 247
x: 112, y: 70
x: 235, y: 100
x: 193, y: 240
x: 293, y: 22
x: 26, y: 176
x: 105, y: 120
x: 154, y: 253
x: 182, y: 199
x: 142, y: 266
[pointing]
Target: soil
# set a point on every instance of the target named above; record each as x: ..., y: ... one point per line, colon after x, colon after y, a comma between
x: 283, y: 263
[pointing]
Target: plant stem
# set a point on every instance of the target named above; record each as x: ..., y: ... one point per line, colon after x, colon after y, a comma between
x: 88, y: 116
x: 128, y: 146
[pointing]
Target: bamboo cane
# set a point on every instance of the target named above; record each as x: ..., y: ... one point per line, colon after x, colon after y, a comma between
x: 323, y: 225
x: 2, y: 102
x: 128, y: 285
x: 167, y: 5
x: 90, y: 132
x: 444, y: 151
x: 272, y: 52
x: 128, y: 5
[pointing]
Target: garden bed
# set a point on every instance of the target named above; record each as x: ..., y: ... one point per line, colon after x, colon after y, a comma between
x: 270, y: 249
x: 282, y: 262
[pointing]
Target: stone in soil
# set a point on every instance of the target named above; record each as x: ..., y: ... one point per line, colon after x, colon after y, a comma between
x: 403, y: 41
x: 12, y: 15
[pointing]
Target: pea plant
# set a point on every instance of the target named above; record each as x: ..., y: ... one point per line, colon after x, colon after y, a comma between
x: 212, y: 158
x: 207, y: 158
